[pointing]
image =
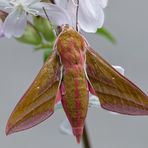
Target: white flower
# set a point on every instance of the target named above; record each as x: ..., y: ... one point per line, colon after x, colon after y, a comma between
x: 65, y: 126
x: 18, y: 10
x: 119, y: 69
x: 91, y: 15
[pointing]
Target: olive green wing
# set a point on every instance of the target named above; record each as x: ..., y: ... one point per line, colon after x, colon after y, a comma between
x: 38, y: 102
x: 116, y: 93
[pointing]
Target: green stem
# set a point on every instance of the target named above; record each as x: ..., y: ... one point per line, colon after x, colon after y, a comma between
x: 85, y: 139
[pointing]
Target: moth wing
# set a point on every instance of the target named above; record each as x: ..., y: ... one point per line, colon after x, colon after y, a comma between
x: 116, y: 93
x: 38, y: 102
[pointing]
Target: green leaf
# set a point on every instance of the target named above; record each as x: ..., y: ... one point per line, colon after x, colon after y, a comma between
x: 46, y: 54
x: 30, y: 36
x: 105, y: 33
x: 45, y: 28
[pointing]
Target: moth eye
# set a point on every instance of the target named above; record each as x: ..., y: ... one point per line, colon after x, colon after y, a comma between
x: 59, y: 29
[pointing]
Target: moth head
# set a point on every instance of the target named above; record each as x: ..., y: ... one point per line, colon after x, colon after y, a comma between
x: 64, y: 28
x: 70, y: 40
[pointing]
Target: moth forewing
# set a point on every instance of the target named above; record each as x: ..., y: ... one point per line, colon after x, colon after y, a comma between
x: 38, y: 102
x: 116, y: 93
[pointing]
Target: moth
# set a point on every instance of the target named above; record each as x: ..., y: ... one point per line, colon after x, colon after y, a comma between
x: 72, y: 71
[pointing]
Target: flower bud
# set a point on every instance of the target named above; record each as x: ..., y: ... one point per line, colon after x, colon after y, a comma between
x: 30, y: 36
x: 45, y: 28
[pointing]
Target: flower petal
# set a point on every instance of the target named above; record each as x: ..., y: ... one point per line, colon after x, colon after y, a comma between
x: 4, y: 3
x: 29, y: 2
x: 65, y: 127
x: 62, y: 3
x: 14, y: 24
x: 58, y: 106
x: 93, y: 101
x: 56, y: 14
x: 70, y: 8
x: 91, y: 16
x: 119, y: 69
x: 103, y: 3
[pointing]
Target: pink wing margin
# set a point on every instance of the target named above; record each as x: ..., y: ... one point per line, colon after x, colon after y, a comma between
x: 116, y: 93
x: 38, y: 102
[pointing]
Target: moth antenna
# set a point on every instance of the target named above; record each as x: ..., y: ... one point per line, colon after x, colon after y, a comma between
x: 53, y: 28
x: 46, y: 15
x: 77, y: 13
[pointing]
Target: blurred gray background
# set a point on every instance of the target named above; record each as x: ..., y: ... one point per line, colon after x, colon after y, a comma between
x: 19, y: 64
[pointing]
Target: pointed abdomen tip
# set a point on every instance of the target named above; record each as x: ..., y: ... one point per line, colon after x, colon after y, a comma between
x: 78, y: 132
x: 78, y: 138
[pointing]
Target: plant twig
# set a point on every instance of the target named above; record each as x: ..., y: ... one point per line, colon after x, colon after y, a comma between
x: 85, y: 139
x: 77, y: 13
x: 52, y: 1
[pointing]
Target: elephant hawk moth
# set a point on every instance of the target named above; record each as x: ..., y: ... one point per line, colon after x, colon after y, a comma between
x: 72, y: 71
